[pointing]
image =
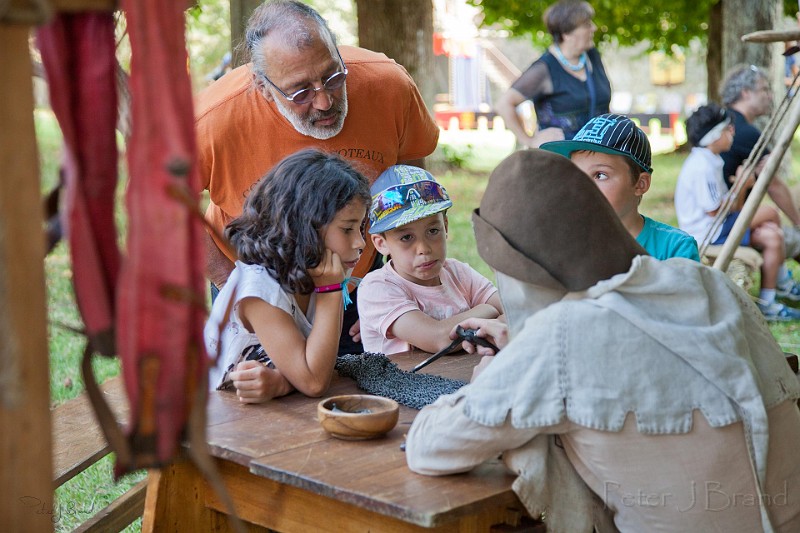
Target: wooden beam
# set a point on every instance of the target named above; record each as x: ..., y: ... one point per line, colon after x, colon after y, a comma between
x: 119, y: 514
x: 84, y: 5
x: 771, y: 36
x: 95, y: 5
x: 32, y: 13
x: 26, y: 479
x: 78, y: 441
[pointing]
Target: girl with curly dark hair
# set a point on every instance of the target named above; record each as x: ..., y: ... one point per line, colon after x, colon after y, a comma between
x: 298, y: 238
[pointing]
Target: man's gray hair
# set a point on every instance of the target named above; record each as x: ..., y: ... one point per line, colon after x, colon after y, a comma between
x: 294, y: 21
x: 739, y: 79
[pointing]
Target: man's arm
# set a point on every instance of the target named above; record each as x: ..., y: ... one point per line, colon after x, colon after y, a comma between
x: 218, y: 266
x: 443, y: 440
x: 782, y: 196
x: 430, y: 334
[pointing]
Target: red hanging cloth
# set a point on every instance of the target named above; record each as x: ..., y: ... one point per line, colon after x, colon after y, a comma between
x: 155, y: 301
x: 161, y: 304
x: 160, y: 289
x: 78, y: 56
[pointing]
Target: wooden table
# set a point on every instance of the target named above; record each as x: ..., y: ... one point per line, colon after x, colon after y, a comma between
x: 286, y: 473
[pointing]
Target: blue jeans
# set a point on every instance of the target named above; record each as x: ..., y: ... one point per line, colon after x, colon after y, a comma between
x: 727, y: 226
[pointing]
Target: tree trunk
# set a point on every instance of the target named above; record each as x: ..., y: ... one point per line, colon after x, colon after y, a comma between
x: 740, y: 17
x: 240, y: 13
x: 403, y: 30
x: 714, y: 52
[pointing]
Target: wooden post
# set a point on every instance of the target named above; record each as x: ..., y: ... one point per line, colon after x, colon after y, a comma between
x: 788, y: 127
x: 26, y: 482
x: 26, y: 475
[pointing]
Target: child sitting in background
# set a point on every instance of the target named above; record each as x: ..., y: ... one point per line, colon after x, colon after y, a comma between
x: 298, y: 238
x: 700, y: 193
x: 615, y: 153
x: 419, y: 295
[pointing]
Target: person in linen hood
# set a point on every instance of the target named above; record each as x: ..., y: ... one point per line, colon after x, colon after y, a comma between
x: 634, y: 394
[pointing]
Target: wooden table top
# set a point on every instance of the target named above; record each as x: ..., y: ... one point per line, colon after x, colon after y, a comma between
x: 282, y: 440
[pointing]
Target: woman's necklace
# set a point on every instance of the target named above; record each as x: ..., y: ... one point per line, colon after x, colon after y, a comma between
x: 564, y: 61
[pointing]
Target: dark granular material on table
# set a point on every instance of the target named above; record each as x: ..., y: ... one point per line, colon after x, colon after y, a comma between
x: 376, y: 374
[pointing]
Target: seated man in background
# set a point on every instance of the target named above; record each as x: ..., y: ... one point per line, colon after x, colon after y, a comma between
x: 747, y: 94
x: 641, y: 391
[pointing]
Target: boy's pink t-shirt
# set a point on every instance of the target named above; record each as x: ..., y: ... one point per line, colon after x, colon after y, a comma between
x: 384, y: 296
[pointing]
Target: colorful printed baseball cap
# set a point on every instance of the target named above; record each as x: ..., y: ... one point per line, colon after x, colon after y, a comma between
x: 609, y: 134
x: 403, y: 194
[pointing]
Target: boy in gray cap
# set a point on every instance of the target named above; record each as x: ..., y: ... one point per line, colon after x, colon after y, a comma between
x: 419, y: 295
x: 615, y: 153
x: 644, y: 392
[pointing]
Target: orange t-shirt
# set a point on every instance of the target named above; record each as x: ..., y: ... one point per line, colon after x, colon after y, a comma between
x: 241, y: 135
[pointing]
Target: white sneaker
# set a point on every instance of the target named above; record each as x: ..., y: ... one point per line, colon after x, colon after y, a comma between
x: 789, y: 291
x: 777, y: 312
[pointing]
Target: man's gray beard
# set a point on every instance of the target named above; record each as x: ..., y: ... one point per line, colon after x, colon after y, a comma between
x: 305, y: 125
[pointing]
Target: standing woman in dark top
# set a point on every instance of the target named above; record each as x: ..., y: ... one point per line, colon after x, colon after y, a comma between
x: 568, y: 84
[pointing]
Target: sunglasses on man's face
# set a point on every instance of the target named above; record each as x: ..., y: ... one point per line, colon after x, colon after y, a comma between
x: 304, y: 96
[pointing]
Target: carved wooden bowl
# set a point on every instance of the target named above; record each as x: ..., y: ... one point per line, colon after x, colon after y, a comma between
x: 357, y: 416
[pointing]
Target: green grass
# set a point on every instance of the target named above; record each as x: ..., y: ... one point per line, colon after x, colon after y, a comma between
x: 84, y: 495
x: 658, y: 202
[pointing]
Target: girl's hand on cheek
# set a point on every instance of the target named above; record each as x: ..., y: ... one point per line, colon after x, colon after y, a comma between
x: 329, y: 271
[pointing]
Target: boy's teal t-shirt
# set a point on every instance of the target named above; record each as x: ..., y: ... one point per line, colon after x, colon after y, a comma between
x: 663, y: 241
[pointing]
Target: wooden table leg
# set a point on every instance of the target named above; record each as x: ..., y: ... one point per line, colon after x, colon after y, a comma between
x: 176, y: 502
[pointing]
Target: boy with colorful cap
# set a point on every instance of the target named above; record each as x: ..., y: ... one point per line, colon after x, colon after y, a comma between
x: 419, y: 295
x: 615, y: 153
x: 701, y: 191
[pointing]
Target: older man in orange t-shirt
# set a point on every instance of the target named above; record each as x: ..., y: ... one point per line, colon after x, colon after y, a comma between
x: 301, y: 91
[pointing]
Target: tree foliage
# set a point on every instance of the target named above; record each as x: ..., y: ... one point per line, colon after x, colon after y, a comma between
x: 208, y: 37
x: 660, y: 23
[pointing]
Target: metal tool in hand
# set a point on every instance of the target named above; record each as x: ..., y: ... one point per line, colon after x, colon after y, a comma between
x: 469, y: 335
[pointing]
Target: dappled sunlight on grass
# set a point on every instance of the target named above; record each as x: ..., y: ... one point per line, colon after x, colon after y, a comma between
x: 481, y: 150
x: 465, y: 190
